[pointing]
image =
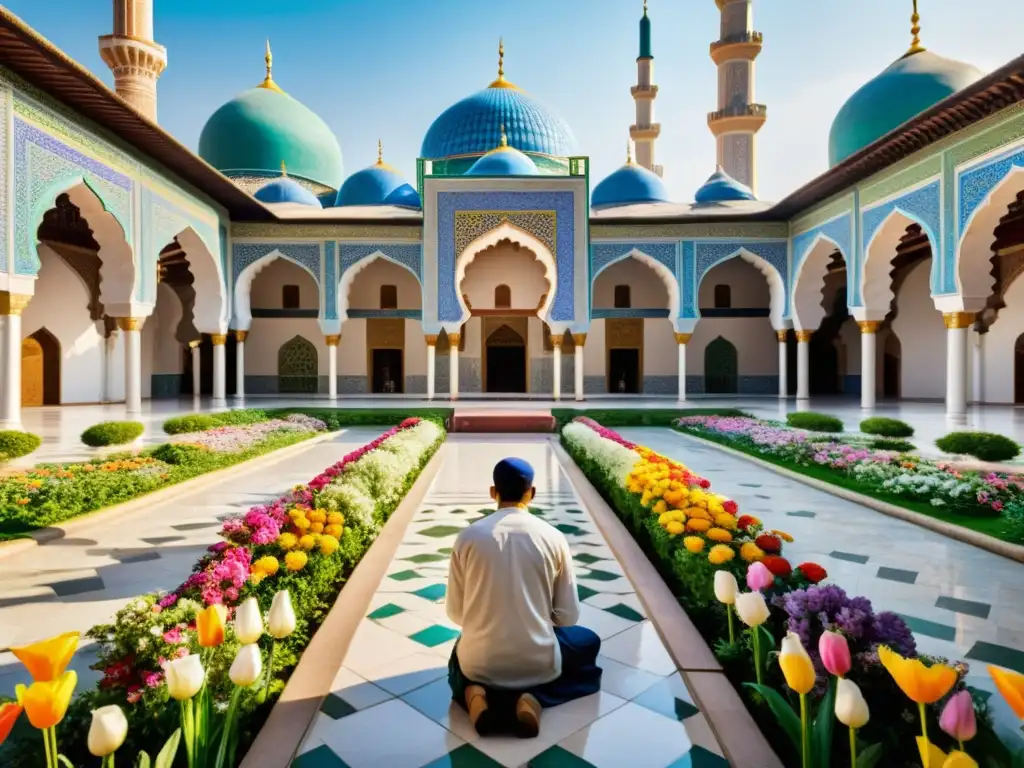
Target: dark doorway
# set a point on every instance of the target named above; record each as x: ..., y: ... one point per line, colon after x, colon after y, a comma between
x: 206, y: 367
x: 891, y: 364
x: 824, y: 363
x: 387, y: 375
x: 721, y: 368
x: 624, y: 371
x: 506, y: 361
x: 51, y: 365
x: 40, y: 369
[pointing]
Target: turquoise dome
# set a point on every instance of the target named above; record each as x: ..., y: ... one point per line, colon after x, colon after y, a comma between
x: 628, y: 185
x: 503, y: 161
x: 257, y: 131
x: 285, y: 190
x: 379, y: 184
x: 722, y: 188
x: 906, y: 88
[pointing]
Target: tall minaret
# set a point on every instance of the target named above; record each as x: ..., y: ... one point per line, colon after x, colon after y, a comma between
x: 133, y: 56
x: 738, y: 118
x: 645, y: 131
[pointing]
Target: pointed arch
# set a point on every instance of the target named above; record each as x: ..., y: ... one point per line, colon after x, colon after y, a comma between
x: 809, y: 282
x: 776, y: 283
x: 875, y: 279
x: 297, y: 366
x: 664, y: 274
x: 210, y: 312
x: 349, y: 276
x: 244, y: 280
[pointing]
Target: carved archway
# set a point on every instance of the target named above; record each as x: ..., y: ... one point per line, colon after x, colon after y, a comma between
x: 349, y: 277
x: 776, y: 283
x: 876, y: 284
x: 809, y: 282
x: 245, y: 278
x: 664, y: 274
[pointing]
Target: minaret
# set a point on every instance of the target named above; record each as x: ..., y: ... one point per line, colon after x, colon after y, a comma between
x: 132, y: 55
x: 738, y: 118
x: 645, y: 131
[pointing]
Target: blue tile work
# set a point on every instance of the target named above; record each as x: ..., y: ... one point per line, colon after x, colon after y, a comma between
x: 162, y: 221
x: 353, y: 385
x: 415, y: 385
x: 975, y: 184
x: 562, y: 203
x: 603, y: 255
x: 260, y: 385
x: 712, y: 253
x: 366, y: 314
x: 541, y: 381
x: 604, y: 314
x: 165, y: 385
x: 595, y: 385
x: 305, y: 255
x: 688, y: 279
x: 661, y: 385
x: 839, y: 231
x: 331, y: 280
x: 759, y: 385
x: 694, y: 385
x: 408, y: 255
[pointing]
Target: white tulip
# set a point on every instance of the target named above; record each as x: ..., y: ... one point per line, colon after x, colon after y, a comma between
x: 725, y: 587
x: 248, y: 622
x: 247, y: 667
x: 108, y: 730
x: 751, y: 608
x: 851, y: 709
x: 184, y: 677
x: 281, y: 621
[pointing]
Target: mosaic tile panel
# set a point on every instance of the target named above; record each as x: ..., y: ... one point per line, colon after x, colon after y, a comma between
x: 5, y: 106
x: 838, y: 230
x: 974, y: 185
x: 603, y: 255
x: 331, y: 280
x: 688, y: 279
x: 408, y: 255
x: 306, y: 255
x: 772, y: 252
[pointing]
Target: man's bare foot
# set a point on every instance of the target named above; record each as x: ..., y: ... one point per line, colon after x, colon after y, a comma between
x: 480, y: 714
x: 528, y: 716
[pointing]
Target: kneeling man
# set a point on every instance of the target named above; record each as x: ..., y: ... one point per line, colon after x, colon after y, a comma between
x: 512, y: 589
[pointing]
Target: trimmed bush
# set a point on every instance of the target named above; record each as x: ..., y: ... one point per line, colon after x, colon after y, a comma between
x: 986, y: 446
x: 638, y: 417
x: 112, y: 433
x: 174, y: 453
x: 814, y: 422
x: 880, y: 425
x: 892, y: 444
x: 194, y: 422
x: 14, y: 443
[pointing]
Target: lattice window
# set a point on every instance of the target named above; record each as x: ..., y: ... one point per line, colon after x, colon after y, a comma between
x: 297, y: 370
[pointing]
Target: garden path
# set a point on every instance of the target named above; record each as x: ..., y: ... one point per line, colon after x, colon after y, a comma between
x: 394, y: 677
x: 960, y: 601
x: 82, y: 580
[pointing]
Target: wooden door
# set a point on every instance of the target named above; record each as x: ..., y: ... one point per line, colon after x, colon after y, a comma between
x: 31, y: 373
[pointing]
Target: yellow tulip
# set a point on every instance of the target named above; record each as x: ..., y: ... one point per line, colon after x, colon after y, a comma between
x: 46, y: 703
x: 210, y: 625
x: 933, y: 757
x: 921, y: 684
x: 47, y: 659
x: 797, y: 667
x: 1011, y: 686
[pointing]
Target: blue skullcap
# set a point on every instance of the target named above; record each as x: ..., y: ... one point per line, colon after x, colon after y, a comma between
x: 512, y: 478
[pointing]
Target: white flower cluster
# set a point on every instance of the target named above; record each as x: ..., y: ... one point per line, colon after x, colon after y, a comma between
x: 614, y: 459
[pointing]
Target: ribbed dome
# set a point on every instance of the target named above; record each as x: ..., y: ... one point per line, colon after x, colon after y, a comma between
x: 379, y: 184
x: 906, y: 88
x: 285, y: 190
x: 628, y: 185
x: 722, y: 188
x: 255, y: 132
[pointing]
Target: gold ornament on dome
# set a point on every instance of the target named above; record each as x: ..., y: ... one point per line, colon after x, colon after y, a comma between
x: 268, y: 80
x: 915, y: 31
x: 501, y: 82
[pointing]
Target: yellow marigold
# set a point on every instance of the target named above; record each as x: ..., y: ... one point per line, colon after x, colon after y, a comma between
x: 697, y: 512
x: 783, y: 535
x: 674, y: 527
x: 725, y: 520
x: 698, y: 525
x: 301, y: 523
x: 720, y: 534
x: 268, y: 564
x: 335, y: 530
x: 751, y: 552
x: 721, y: 553
x: 255, y: 577
x: 677, y: 515
x: 287, y: 540
x: 318, y: 516
x: 664, y: 518
x: 295, y: 561
x: 317, y: 527
x: 694, y: 544
x: 660, y: 507
x: 335, y: 518
x: 307, y: 542
x: 328, y: 545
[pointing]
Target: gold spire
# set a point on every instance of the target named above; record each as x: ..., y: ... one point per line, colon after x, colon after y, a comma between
x: 284, y: 169
x: 629, y: 152
x: 645, y: 7
x: 501, y: 82
x: 915, y: 30
x: 380, y: 152
x: 268, y: 81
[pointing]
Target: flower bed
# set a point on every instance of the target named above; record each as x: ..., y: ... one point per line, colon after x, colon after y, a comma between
x: 307, y: 542
x: 974, y: 499
x: 700, y: 542
x: 52, y: 493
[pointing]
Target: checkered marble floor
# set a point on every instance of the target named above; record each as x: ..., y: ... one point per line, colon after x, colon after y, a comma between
x: 391, y: 705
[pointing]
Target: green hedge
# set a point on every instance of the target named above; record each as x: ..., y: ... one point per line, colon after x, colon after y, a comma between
x: 892, y: 444
x: 14, y: 444
x: 986, y: 446
x: 112, y: 433
x: 814, y: 422
x: 200, y: 422
x: 336, y: 418
x: 886, y: 427
x: 638, y: 417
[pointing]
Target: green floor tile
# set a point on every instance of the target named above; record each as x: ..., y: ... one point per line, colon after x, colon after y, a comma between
x: 385, y: 611
x: 445, y: 550
x: 425, y: 558
x: 698, y: 757
x: 929, y: 628
x: 574, y: 511
x: 849, y: 557
x: 433, y: 592
x: 321, y: 757
x: 599, y: 575
x: 586, y: 558
x: 897, y: 574
x: 1000, y: 655
x: 970, y: 607
x: 404, y: 575
x: 466, y: 756
x: 624, y: 611
x: 434, y: 635
x: 584, y: 592
x: 557, y: 757
x: 570, y: 530
x: 440, y: 531
x: 336, y: 707
x: 457, y: 512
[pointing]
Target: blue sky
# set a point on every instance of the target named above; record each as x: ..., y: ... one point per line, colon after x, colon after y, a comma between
x: 386, y: 68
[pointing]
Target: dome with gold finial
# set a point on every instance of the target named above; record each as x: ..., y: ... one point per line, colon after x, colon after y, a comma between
x: 249, y: 137
x: 629, y: 185
x: 503, y: 160
x: 380, y: 184
x: 471, y: 127
x: 912, y: 84
x: 286, y: 190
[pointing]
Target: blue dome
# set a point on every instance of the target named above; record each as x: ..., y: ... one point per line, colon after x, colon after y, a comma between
x: 285, y: 190
x: 722, y: 188
x: 628, y: 185
x: 503, y: 161
x: 906, y: 88
x: 379, y: 184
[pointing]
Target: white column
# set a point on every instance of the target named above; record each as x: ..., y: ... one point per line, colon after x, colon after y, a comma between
x: 978, y: 365
x: 803, y: 365
x: 782, y: 336
x: 240, y: 337
x: 868, y: 362
x: 333, y: 341
x: 132, y: 328
x: 11, y: 307
x: 197, y: 373
x: 109, y: 353
x: 579, y: 339
x: 957, y: 326
x: 453, y: 365
x: 556, y: 373
x: 431, y: 364
x: 219, y: 368
x: 682, y: 339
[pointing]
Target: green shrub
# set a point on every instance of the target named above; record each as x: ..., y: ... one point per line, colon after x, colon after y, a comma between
x: 14, y: 443
x: 193, y: 422
x: 814, y: 422
x: 880, y: 425
x: 177, y: 454
x: 892, y: 444
x: 112, y: 433
x: 986, y: 446
x: 638, y: 417
x: 336, y: 418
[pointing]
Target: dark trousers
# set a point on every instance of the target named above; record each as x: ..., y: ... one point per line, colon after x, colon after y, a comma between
x: 580, y: 674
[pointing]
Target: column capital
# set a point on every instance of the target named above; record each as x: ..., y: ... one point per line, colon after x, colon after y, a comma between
x: 955, y: 320
x: 869, y: 326
x: 219, y: 339
x: 431, y: 339
x: 556, y: 342
x: 241, y: 336
x: 195, y: 343
x: 804, y: 336
x: 579, y: 339
x: 683, y: 338
x: 130, y: 323
x: 782, y: 335
x: 13, y: 303
x: 332, y: 339
x: 454, y: 339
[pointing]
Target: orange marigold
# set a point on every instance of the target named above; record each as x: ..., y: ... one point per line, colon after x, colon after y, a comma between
x: 697, y: 524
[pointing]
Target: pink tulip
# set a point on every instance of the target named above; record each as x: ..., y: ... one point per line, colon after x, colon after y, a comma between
x: 835, y: 653
x: 759, y: 577
x: 957, y: 717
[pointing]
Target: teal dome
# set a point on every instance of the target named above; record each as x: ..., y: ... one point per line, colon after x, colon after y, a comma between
x: 285, y: 190
x: 263, y: 128
x: 379, y: 184
x: 722, y: 188
x: 503, y: 161
x: 906, y: 88
x: 629, y: 185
